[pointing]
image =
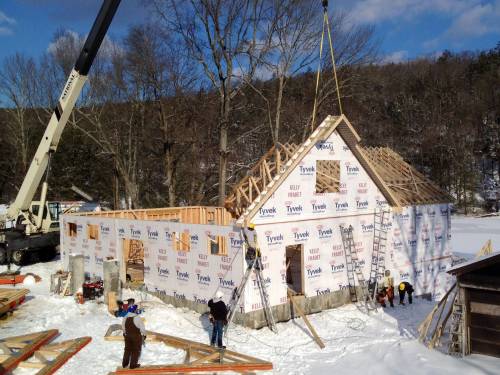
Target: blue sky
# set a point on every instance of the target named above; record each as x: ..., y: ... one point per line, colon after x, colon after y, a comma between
x: 407, y: 28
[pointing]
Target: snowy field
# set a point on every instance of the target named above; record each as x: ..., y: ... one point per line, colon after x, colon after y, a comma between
x: 380, y: 343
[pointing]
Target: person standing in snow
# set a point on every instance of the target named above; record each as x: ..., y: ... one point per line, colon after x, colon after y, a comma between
x: 405, y: 287
x: 135, y: 334
x: 388, y: 285
x: 218, y: 316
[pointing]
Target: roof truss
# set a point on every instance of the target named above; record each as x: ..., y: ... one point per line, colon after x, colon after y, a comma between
x: 199, y: 357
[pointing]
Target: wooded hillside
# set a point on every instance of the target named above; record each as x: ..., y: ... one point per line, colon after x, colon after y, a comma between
x: 166, y: 116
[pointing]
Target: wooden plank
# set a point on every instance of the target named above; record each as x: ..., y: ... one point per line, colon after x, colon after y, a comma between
x: 203, y: 367
x: 480, y: 320
x: 309, y: 325
x: 485, y: 347
x: 73, y: 347
x: 207, y: 358
x: 26, y: 364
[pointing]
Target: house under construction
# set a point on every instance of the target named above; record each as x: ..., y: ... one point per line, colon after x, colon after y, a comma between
x: 298, y: 197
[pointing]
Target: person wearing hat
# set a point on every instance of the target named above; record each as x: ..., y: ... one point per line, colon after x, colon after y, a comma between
x: 388, y: 286
x: 405, y: 287
x: 252, y: 251
x: 218, y: 316
x: 135, y: 334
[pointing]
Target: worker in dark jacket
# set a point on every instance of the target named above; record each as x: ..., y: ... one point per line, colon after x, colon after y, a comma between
x: 218, y: 316
x: 405, y: 287
x: 135, y: 334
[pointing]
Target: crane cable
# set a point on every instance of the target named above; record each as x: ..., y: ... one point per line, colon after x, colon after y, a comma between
x: 326, y: 25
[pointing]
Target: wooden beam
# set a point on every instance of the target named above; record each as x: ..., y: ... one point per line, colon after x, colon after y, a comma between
x: 203, y: 367
x: 309, y: 325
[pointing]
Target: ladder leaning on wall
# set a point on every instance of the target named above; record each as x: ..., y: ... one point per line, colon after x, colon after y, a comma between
x: 253, y: 259
x: 353, y: 268
x: 377, y: 268
x: 456, y: 346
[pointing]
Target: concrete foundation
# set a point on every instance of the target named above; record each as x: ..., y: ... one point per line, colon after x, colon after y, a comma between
x: 76, y: 268
x: 281, y: 313
x: 111, y: 278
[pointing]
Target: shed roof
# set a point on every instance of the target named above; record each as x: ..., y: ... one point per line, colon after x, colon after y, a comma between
x: 475, y: 264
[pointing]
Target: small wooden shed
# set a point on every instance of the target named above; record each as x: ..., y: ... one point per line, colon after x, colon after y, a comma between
x: 479, y: 294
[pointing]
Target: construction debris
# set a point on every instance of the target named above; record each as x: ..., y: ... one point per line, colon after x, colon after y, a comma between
x: 60, y: 283
x: 199, y: 357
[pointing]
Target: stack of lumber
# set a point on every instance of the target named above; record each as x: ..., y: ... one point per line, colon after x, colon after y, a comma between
x: 199, y: 357
x: 11, y: 298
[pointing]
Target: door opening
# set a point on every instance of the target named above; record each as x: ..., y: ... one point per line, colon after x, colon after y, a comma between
x: 295, y: 268
x: 133, y: 256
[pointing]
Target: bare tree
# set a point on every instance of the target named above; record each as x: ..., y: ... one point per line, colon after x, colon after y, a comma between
x: 223, y: 36
x: 156, y: 63
x: 17, y: 78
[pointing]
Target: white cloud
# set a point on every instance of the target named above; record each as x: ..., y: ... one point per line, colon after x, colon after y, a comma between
x: 395, y: 57
x: 480, y: 20
x: 476, y: 21
x: 5, y: 24
x: 74, y: 41
x: 374, y: 11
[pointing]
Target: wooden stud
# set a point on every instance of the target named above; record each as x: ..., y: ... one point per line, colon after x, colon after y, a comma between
x: 304, y: 317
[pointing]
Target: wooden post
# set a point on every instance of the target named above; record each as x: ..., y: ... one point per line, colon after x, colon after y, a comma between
x: 309, y: 325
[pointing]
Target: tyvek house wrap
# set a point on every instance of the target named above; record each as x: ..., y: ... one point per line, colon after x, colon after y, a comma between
x: 193, y: 275
x: 417, y: 249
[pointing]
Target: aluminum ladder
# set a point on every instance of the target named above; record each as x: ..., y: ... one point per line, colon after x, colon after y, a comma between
x: 456, y: 345
x: 377, y: 268
x: 255, y: 265
x: 352, y: 267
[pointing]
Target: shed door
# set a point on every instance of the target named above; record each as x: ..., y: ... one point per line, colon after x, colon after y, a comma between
x: 485, y: 322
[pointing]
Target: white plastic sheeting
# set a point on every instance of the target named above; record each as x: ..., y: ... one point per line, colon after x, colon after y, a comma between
x: 194, y: 275
x: 418, y: 240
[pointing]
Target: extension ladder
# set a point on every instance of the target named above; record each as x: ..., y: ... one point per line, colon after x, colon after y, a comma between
x: 377, y: 268
x: 456, y: 346
x: 254, y: 265
x: 352, y: 266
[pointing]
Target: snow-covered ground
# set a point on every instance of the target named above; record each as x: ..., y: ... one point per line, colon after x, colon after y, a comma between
x: 380, y: 343
x: 468, y: 234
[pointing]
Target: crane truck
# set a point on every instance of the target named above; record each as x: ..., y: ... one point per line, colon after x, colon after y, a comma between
x: 32, y: 227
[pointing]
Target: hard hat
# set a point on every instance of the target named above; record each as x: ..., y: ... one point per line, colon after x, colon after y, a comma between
x: 402, y: 286
x: 219, y: 294
x: 251, y: 226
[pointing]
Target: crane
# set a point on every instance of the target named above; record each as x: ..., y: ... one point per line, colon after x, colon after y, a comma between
x: 35, y: 224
